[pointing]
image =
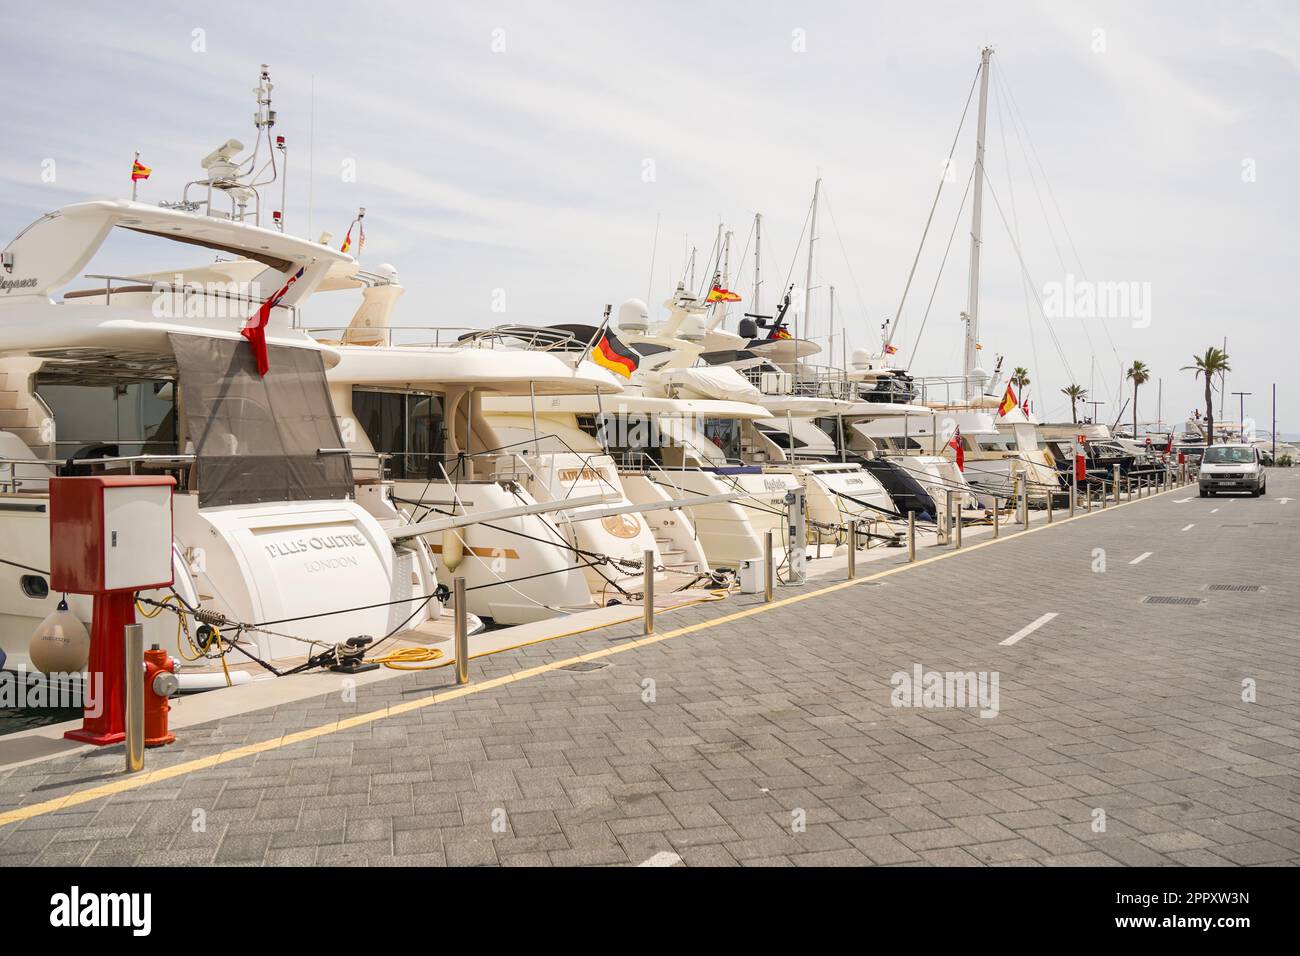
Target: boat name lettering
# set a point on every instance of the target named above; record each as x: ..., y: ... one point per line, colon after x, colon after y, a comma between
x: 320, y: 542
x: 7, y: 285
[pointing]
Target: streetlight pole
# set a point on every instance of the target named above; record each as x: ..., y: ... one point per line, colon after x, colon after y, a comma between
x: 1241, y: 414
x: 1094, y: 409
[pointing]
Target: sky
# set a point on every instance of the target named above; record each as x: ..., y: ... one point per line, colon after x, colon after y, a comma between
x: 532, y: 162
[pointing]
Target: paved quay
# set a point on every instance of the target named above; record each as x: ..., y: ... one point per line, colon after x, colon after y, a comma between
x: 1122, y: 732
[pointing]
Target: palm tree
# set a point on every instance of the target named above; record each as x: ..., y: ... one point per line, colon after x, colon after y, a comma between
x: 1075, y: 393
x: 1213, y: 362
x: 1020, y: 377
x: 1140, y: 375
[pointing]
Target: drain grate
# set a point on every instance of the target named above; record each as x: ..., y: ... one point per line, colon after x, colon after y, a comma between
x: 1260, y: 523
x: 582, y: 667
x: 1172, y: 599
x: 1235, y: 587
x: 1234, y: 526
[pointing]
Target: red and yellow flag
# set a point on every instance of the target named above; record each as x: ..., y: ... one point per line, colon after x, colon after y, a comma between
x: 139, y: 170
x: 1008, y: 401
x: 719, y: 294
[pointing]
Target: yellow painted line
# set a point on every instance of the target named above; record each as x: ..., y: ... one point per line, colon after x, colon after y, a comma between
x: 136, y: 781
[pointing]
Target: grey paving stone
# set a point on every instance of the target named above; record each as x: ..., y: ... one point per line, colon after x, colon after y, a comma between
x: 790, y: 709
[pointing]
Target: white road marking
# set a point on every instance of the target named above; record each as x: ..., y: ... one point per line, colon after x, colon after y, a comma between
x: 1141, y: 557
x: 1214, y: 511
x: 662, y: 858
x: 1027, y: 630
x: 1284, y: 500
x: 1181, y: 501
x: 1189, y: 527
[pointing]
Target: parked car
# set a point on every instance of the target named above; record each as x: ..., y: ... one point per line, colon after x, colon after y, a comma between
x: 1231, y: 468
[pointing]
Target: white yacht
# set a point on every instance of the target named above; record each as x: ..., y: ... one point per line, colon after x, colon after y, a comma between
x: 202, y: 373
x: 413, y: 415
x: 691, y: 356
x: 266, y: 526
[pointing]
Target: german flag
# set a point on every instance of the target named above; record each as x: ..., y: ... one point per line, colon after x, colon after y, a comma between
x: 1008, y: 402
x: 612, y: 354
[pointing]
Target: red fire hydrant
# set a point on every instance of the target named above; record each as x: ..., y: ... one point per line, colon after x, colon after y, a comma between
x: 159, y: 684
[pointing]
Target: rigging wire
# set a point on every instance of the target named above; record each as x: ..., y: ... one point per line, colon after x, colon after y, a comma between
x: 1018, y: 118
x: 1015, y: 221
x: 916, y: 345
x: 933, y: 206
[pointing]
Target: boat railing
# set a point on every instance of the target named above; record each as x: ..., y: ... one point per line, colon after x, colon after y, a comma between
x: 447, y: 336
x: 948, y: 389
x: 12, y: 482
x: 182, y: 295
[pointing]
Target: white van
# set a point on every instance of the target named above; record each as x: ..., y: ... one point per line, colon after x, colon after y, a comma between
x: 1231, y: 468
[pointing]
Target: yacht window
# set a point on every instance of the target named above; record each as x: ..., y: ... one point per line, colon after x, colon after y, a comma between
x: 109, y: 421
x: 725, y: 434
x: 632, y: 439
x: 408, y: 426
x: 35, y: 586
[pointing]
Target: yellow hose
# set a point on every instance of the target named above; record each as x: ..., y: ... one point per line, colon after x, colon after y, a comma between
x: 407, y: 658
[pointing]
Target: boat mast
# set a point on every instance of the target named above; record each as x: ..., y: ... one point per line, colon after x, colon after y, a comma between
x: 758, y: 268
x: 808, y: 280
x: 972, y: 316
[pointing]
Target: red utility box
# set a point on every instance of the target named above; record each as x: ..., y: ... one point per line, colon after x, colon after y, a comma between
x: 110, y: 536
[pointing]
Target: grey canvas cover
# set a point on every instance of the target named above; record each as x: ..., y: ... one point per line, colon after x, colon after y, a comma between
x: 259, y: 438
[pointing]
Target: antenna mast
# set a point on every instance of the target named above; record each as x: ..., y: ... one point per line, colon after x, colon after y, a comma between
x: 972, y: 316
x: 758, y: 273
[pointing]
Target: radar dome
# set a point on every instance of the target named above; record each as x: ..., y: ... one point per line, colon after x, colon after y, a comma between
x: 633, y: 316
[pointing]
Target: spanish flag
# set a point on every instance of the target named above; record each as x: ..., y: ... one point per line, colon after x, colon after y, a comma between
x: 719, y: 294
x: 1008, y: 401
x: 780, y: 333
x: 612, y: 354
x: 139, y: 170
x: 891, y: 349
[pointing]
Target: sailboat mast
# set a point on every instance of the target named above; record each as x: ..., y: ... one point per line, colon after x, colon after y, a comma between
x: 758, y: 268
x: 808, y: 280
x: 971, y: 356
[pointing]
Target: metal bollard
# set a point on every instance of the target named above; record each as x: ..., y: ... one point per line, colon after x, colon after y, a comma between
x: 1024, y: 505
x: 952, y: 519
x: 853, y: 549
x: 1074, y: 493
x: 997, y: 517
x: 648, y: 588
x: 769, y: 564
x: 911, y: 536
x: 133, y: 698
x: 1087, y: 498
x: 462, y: 630
x: 1115, y: 472
x: 1049, y: 506
x: 957, y: 532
